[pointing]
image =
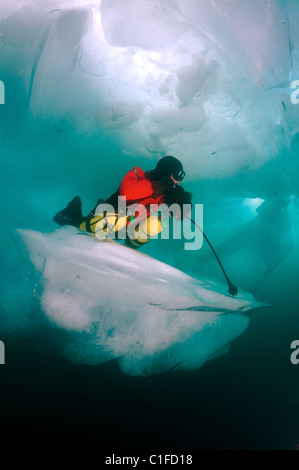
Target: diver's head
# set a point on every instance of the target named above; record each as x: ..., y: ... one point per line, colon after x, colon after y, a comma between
x: 172, y: 167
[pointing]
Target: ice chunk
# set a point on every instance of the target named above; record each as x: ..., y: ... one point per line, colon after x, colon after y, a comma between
x: 166, y: 77
x: 192, y: 78
x: 61, y: 45
x: 104, y: 301
x: 253, y: 34
x: 145, y: 24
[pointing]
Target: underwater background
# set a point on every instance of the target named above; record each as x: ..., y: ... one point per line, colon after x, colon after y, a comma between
x: 92, y: 89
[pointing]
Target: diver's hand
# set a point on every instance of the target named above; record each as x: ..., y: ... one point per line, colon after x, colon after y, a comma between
x: 180, y: 197
x: 162, y: 186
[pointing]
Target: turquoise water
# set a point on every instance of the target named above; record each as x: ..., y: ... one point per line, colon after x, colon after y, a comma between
x: 247, y: 399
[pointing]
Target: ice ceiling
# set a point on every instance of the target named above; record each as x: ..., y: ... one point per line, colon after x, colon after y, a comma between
x: 206, y: 80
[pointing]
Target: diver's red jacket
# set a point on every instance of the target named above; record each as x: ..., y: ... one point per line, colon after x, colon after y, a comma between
x: 137, y: 188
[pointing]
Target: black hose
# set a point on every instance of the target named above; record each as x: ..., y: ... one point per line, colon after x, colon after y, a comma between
x: 233, y: 290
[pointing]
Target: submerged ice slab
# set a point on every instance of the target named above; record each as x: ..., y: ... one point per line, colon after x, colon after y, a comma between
x: 101, y: 301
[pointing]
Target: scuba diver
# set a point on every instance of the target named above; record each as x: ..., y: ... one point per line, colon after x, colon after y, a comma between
x: 148, y: 189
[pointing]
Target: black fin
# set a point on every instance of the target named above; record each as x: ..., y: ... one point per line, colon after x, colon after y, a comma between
x: 71, y: 215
